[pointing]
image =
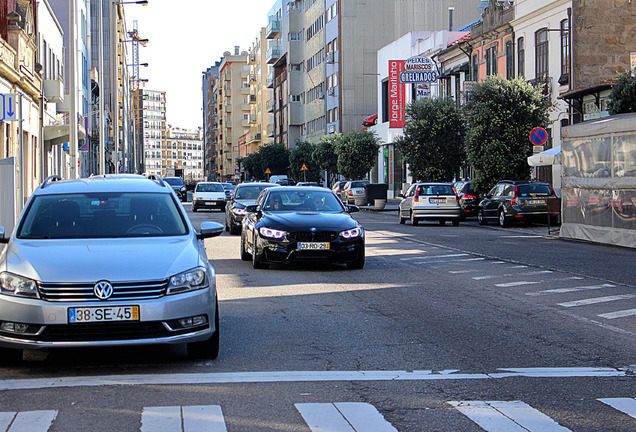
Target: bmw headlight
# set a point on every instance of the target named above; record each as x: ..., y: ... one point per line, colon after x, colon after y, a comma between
x: 187, y: 281
x: 18, y: 286
x: 239, y: 211
x: 352, y: 233
x: 271, y: 233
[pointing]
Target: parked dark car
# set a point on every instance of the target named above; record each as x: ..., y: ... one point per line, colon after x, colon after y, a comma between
x: 512, y: 201
x: 468, y: 198
x: 300, y: 224
x: 243, y: 195
x: 178, y: 186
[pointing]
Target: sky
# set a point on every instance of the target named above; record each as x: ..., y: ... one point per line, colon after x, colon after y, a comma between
x: 185, y: 38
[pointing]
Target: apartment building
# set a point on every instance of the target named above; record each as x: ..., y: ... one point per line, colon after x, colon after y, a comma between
x: 211, y: 94
x: 324, y: 58
x: 260, y: 118
x: 153, y: 130
x: 183, y: 150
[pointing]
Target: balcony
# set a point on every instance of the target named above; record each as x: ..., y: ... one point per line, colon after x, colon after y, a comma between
x: 269, y: 82
x: 273, y: 28
x: 270, y: 105
x: 270, y: 130
x: 53, y: 90
x: 296, y: 114
x: 228, y: 108
x: 273, y: 54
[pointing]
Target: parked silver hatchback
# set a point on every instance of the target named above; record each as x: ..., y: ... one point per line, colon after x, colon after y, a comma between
x: 431, y: 201
x: 104, y: 261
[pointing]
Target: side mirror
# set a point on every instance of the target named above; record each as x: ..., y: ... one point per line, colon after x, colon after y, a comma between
x: 209, y: 229
x: 3, y: 239
x: 251, y: 208
x: 352, y: 208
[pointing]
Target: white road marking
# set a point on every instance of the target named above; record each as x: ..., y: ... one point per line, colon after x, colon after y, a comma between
x: 512, y: 274
x: 514, y: 284
x: 434, y: 256
x: 343, y: 417
x: 299, y: 376
x: 595, y: 300
x: 624, y: 405
x: 462, y: 271
x: 618, y: 314
x: 569, y: 290
x: 450, y: 261
x: 27, y: 421
x: 519, y: 266
x: 513, y: 416
x: 207, y: 418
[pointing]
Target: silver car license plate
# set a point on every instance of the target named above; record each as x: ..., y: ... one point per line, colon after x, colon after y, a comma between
x: 313, y: 246
x: 103, y: 314
x: 536, y: 202
x: 437, y: 200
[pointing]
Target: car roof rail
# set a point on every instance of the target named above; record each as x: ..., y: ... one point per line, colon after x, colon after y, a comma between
x: 50, y: 179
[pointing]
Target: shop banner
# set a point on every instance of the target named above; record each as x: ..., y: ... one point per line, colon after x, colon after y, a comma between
x: 396, y: 94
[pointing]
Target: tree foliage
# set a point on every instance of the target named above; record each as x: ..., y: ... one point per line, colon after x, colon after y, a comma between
x: 325, y: 155
x: 501, y: 115
x: 275, y: 157
x: 253, y: 165
x: 357, y: 154
x: 434, y: 139
x: 623, y: 96
x: 303, y: 154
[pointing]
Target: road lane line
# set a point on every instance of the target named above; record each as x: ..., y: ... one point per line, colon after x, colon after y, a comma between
x: 513, y: 416
x: 343, y: 417
x: 569, y: 290
x: 512, y: 274
x: 514, y: 284
x: 595, y: 300
x: 434, y: 256
x: 299, y: 376
x: 624, y: 405
x: 618, y: 314
x: 27, y: 421
x: 208, y: 418
x: 462, y: 271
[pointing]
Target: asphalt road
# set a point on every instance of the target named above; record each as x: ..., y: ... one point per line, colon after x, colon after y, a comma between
x: 446, y: 328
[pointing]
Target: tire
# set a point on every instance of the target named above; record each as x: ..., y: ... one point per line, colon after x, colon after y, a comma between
x: 234, y: 230
x: 207, y: 349
x: 480, y: 217
x: 358, y: 263
x: 194, y: 209
x: 456, y: 222
x: 10, y: 356
x: 227, y: 226
x: 503, y: 221
x: 414, y: 220
x: 257, y: 259
x: 245, y: 256
x: 402, y: 220
x: 442, y: 221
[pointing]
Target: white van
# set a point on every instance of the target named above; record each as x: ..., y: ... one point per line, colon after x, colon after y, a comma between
x: 277, y: 178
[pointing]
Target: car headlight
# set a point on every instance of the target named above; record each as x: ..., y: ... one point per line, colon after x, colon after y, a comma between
x: 187, y: 281
x: 271, y: 233
x: 240, y: 212
x: 18, y: 286
x: 352, y: 233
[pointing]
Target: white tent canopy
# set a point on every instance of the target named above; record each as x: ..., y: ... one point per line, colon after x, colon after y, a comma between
x: 549, y: 157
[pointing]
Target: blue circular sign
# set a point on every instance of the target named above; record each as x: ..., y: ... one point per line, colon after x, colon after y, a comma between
x: 538, y: 136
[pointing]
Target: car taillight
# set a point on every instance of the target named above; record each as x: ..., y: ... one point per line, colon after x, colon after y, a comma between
x: 416, y: 198
x: 350, y: 192
x: 514, y: 200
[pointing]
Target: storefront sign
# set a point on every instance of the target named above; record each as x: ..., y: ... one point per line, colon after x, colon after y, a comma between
x: 396, y: 94
x: 418, y: 69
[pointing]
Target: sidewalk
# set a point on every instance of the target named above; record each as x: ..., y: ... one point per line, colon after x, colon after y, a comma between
x: 391, y: 205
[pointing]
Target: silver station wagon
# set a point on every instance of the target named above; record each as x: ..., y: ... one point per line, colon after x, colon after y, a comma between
x: 430, y: 201
x: 104, y: 261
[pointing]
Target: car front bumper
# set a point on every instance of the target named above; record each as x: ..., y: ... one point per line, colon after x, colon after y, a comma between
x: 49, y: 326
x: 340, y: 251
x: 209, y: 204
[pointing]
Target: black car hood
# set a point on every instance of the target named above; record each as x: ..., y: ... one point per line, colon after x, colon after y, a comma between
x: 303, y: 221
x: 243, y: 203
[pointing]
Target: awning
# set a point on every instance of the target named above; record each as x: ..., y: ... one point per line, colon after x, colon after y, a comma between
x: 549, y: 157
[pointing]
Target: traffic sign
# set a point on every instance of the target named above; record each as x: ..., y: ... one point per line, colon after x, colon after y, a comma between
x: 9, y: 103
x: 304, y: 168
x: 538, y: 136
x: 267, y: 171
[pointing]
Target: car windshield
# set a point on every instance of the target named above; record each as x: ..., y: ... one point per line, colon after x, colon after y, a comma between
x: 358, y: 184
x: 209, y: 187
x: 102, y: 215
x: 228, y: 186
x: 531, y: 190
x: 295, y: 201
x: 425, y: 190
x: 174, y: 181
x: 248, y: 192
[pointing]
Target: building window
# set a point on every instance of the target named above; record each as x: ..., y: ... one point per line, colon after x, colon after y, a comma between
x: 541, y: 54
x: 521, y: 56
x: 491, y: 60
x: 565, y: 47
x: 385, y: 101
x: 510, y: 62
x: 475, y: 72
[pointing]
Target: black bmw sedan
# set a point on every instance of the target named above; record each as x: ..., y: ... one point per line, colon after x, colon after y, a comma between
x: 301, y: 224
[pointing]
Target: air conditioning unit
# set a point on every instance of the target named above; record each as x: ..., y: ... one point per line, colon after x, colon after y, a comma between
x: 330, y: 57
x: 331, y: 91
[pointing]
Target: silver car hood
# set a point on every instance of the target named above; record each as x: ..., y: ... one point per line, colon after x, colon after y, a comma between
x: 88, y: 260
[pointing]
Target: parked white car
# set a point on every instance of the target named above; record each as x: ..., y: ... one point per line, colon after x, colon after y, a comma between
x: 209, y: 195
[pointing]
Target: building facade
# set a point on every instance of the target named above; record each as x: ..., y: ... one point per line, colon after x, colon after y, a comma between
x: 153, y: 130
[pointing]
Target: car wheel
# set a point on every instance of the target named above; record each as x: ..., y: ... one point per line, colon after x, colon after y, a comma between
x: 227, y: 225
x: 414, y: 220
x: 235, y: 229
x: 402, y: 220
x: 257, y: 259
x: 358, y: 263
x: 10, y: 356
x: 456, y: 222
x: 503, y: 221
x: 480, y: 217
x: 245, y: 256
x: 194, y: 209
x: 442, y: 221
x: 207, y: 349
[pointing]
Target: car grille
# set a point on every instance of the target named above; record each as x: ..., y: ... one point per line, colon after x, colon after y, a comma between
x: 103, y: 332
x: 319, y: 236
x: 78, y: 292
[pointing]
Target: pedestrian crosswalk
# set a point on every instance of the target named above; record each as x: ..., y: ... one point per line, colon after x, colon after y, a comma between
x: 491, y: 416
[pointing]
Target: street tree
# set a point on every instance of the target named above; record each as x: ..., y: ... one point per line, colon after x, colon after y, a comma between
x: 253, y: 165
x: 357, y: 154
x: 501, y: 114
x: 303, y: 155
x: 623, y: 96
x: 275, y: 157
x: 433, y: 143
x: 325, y: 155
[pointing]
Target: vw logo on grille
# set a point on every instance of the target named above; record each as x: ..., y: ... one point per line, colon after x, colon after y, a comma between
x: 103, y: 290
